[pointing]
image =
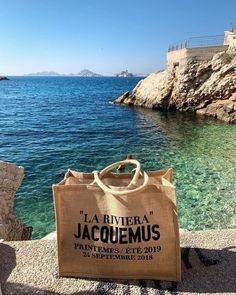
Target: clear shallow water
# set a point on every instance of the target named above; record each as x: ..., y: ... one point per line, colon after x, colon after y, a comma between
x: 50, y: 124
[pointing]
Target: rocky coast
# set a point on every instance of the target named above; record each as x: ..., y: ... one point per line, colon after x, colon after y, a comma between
x: 206, y: 87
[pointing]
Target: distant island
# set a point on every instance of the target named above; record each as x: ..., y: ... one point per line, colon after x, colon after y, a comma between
x: 83, y: 73
x: 86, y: 73
x: 44, y: 74
x: 126, y: 73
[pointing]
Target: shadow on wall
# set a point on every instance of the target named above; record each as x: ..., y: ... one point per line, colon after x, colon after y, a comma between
x: 204, y: 271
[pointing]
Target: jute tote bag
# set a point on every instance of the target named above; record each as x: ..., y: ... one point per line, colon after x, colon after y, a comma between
x: 118, y: 225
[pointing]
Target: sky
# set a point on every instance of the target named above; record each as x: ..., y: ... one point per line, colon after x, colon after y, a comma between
x: 105, y: 36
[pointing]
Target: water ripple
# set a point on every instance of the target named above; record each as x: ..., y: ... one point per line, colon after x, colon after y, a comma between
x: 50, y: 124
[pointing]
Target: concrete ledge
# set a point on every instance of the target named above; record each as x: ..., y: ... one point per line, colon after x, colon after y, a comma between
x: 208, y: 266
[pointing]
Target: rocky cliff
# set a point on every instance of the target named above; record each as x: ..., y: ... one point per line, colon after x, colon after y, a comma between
x: 208, y: 88
x: 11, y: 228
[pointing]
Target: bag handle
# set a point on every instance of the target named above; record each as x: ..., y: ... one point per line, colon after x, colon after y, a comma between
x: 98, y: 176
x: 124, y: 163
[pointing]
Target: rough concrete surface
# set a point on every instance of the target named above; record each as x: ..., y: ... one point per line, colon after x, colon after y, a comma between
x: 208, y: 267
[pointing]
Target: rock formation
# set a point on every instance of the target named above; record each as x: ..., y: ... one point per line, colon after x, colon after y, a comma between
x: 3, y: 78
x: 204, y: 87
x: 125, y: 73
x: 11, y: 228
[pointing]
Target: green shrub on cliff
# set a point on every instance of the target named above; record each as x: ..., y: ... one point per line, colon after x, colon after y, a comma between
x: 226, y: 57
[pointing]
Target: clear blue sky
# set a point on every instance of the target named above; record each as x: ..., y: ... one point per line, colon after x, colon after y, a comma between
x: 105, y: 36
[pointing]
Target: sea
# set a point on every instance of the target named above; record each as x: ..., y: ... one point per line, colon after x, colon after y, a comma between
x: 50, y: 124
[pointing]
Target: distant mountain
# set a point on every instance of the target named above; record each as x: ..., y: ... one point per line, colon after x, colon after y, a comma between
x: 83, y: 73
x: 87, y: 73
x: 44, y: 74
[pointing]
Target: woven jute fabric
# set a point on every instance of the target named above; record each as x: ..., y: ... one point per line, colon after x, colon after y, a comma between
x: 104, y: 235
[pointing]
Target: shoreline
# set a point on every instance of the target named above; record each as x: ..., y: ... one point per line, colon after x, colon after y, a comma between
x: 199, y: 80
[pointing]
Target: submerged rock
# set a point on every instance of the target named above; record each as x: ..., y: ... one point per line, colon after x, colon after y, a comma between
x: 191, y: 86
x: 11, y: 228
x: 224, y: 110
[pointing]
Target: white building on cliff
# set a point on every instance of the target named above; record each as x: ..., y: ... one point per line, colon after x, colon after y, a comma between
x: 200, y: 48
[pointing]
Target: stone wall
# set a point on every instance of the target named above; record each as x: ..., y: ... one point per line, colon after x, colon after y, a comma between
x: 230, y: 38
x: 182, y: 56
x: 204, y: 53
x: 176, y: 56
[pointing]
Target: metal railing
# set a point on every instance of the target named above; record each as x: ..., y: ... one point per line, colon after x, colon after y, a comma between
x: 194, y: 42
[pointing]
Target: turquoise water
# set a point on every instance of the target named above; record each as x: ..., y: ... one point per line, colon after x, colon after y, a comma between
x: 50, y: 124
